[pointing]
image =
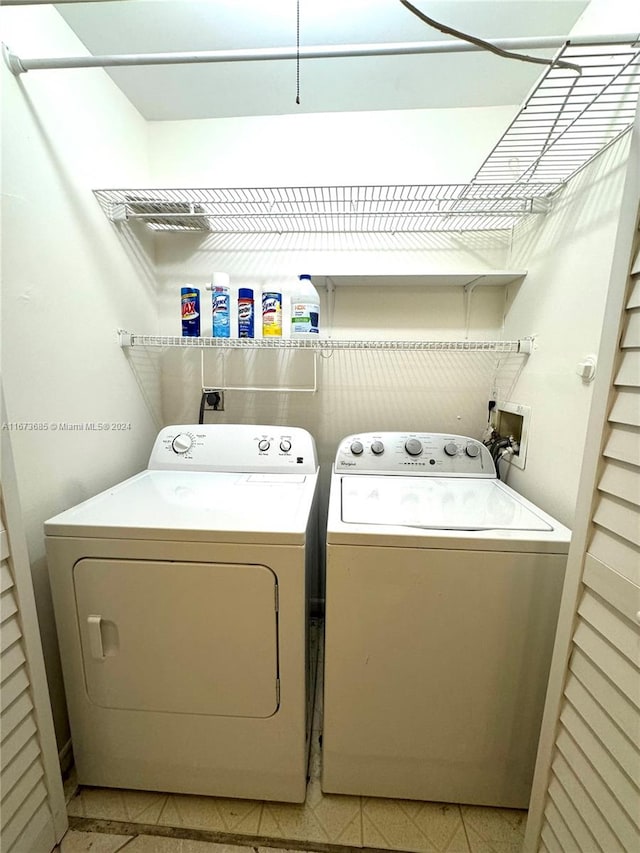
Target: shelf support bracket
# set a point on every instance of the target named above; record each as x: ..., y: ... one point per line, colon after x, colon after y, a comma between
x: 526, y: 345
x: 468, y: 291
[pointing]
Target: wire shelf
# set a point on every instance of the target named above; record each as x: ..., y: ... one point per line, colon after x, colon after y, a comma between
x: 568, y: 118
x: 129, y: 339
x: 328, y: 209
x: 566, y: 121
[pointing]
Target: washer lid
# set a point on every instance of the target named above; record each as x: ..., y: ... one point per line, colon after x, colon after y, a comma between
x: 435, y: 503
x: 195, y: 506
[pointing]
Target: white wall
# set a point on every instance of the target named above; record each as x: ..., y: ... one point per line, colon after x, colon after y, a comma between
x: 402, y: 146
x: 607, y: 16
x: 561, y: 301
x: 68, y: 284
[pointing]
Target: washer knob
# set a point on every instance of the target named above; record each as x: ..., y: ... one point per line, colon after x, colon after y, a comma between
x: 413, y: 447
x: 377, y: 447
x: 285, y: 445
x: 472, y: 450
x: 451, y: 448
x: 264, y: 444
x: 356, y: 448
x: 182, y: 443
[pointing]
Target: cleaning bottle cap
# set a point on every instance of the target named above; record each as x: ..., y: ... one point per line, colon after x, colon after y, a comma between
x: 245, y: 293
x: 220, y: 279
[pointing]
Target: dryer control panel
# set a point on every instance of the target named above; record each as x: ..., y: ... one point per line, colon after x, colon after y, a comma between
x: 240, y: 448
x: 414, y: 453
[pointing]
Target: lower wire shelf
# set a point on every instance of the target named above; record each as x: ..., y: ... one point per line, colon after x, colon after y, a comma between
x: 129, y: 339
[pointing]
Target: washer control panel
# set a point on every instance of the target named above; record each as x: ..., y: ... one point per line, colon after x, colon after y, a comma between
x: 234, y: 448
x: 415, y: 453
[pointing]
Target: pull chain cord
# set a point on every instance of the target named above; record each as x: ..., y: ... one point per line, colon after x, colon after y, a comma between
x: 297, y: 51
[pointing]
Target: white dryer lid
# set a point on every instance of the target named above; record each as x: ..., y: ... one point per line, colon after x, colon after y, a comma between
x: 435, y: 503
x: 195, y: 506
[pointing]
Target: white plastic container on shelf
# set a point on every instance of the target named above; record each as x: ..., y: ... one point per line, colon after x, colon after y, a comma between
x: 305, y: 308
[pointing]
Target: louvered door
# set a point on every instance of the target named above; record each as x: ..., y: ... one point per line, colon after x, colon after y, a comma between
x: 587, y: 787
x: 32, y: 804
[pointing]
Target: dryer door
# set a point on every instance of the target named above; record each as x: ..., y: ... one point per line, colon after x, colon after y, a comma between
x: 193, y: 638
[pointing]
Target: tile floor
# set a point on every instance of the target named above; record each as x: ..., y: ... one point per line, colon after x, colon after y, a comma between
x: 322, y: 821
x: 91, y: 842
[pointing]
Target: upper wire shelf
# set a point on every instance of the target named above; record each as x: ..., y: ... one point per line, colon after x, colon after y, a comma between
x: 328, y: 209
x: 565, y: 122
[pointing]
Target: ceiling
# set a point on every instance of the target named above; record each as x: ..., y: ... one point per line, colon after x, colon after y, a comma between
x: 174, y: 92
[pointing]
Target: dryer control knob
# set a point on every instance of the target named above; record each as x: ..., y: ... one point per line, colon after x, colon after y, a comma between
x: 413, y: 446
x: 451, y: 448
x: 377, y: 447
x: 472, y: 450
x: 182, y: 443
x: 356, y: 448
x: 264, y: 444
x: 285, y: 445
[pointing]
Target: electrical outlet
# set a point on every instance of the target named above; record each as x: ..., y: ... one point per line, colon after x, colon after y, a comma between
x: 214, y: 401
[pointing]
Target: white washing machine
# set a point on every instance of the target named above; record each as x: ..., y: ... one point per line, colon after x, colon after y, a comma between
x: 443, y: 590
x: 181, y: 603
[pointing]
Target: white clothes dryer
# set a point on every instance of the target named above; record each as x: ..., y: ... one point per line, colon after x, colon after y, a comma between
x: 442, y: 595
x: 181, y: 603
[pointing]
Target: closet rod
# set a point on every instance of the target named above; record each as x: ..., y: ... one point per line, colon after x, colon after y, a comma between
x: 18, y: 65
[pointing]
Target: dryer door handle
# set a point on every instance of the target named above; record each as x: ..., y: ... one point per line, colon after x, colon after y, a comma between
x: 95, y: 637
